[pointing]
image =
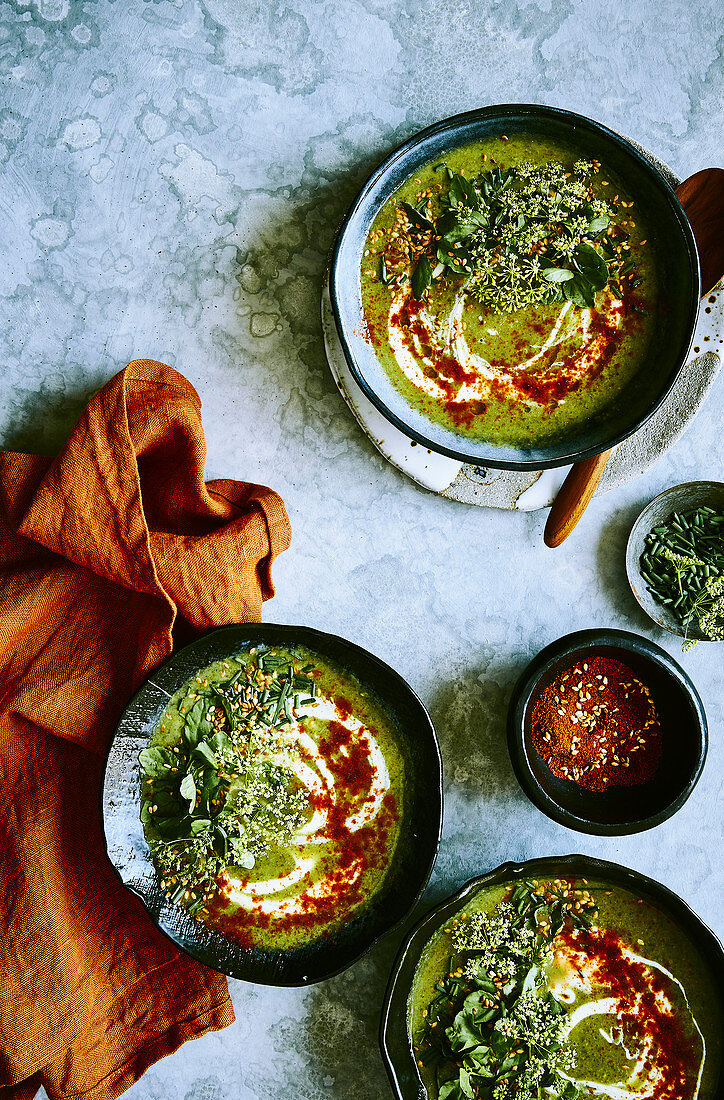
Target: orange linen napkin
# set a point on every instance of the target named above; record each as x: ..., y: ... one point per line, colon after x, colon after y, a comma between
x: 102, y: 551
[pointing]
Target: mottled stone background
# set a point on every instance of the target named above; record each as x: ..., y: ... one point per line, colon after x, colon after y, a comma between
x: 173, y: 174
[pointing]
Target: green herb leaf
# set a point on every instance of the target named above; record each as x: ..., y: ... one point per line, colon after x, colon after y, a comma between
x: 197, y: 724
x: 155, y: 760
x: 591, y: 264
x: 557, y: 274
x: 598, y: 225
x: 421, y: 277
x: 451, y: 1091
x: 205, y: 753
x: 188, y: 790
x: 418, y: 220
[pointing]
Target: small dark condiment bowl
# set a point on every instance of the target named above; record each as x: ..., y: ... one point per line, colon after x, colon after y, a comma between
x: 420, y: 823
x: 618, y: 810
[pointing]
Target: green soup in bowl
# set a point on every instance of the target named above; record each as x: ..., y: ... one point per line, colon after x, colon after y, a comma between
x: 563, y: 978
x: 516, y: 287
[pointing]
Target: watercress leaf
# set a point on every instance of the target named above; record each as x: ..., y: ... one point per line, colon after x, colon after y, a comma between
x: 451, y: 1091
x: 473, y: 1000
x: 557, y: 274
x: 166, y: 826
x: 188, y: 790
x: 457, y: 190
x: 220, y: 742
x: 461, y: 232
x: 575, y: 292
x: 463, y: 1033
x: 166, y: 801
x: 421, y: 277
x: 587, y: 292
x: 598, y: 225
x: 465, y: 1086
x: 221, y: 840
x: 155, y: 760
x: 591, y: 264
x: 204, y: 751
x: 200, y: 824
x: 450, y: 262
x: 224, y: 702
x: 418, y: 220
x: 197, y: 725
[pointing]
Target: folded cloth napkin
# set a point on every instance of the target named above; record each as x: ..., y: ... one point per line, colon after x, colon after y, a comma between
x: 103, y: 551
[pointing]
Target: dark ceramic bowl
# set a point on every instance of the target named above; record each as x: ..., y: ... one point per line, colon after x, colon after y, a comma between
x: 394, y: 1037
x: 421, y: 822
x: 680, y: 498
x: 619, y: 810
x: 670, y: 236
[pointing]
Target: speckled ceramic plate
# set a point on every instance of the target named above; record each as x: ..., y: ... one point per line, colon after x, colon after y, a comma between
x: 527, y: 490
x: 394, y: 1036
x: 421, y: 820
x: 677, y: 265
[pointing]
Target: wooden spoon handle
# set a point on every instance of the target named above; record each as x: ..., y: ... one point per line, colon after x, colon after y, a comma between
x: 701, y: 197
x: 573, y: 498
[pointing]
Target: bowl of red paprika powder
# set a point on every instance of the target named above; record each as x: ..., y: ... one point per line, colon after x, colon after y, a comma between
x: 606, y: 733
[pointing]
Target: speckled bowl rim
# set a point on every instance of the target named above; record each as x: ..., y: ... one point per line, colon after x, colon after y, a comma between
x: 526, y: 687
x: 658, y: 612
x: 394, y: 1039
x: 486, y: 455
x: 273, y: 634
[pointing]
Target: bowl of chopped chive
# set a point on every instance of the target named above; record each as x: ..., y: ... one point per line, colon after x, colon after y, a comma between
x: 273, y: 795
x: 606, y: 732
x: 675, y: 561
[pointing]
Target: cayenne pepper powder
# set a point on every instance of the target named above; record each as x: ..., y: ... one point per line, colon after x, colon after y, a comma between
x: 596, y: 725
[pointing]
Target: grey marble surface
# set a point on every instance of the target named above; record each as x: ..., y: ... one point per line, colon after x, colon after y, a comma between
x: 173, y: 173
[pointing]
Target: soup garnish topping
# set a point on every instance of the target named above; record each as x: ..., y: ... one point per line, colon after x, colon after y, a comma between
x: 510, y: 291
x: 272, y: 794
x: 545, y: 994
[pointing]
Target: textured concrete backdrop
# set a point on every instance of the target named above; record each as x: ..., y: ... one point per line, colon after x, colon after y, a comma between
x: 173, y: 173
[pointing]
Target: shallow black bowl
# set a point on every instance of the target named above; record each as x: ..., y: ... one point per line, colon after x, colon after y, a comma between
x: 421, y: 822
x: 394, y: 1037
x: 619, y: 810
x: 670, y: 236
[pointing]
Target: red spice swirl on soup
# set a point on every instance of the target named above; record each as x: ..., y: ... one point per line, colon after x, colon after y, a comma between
x: 509, y: 290
x: 297, y: 780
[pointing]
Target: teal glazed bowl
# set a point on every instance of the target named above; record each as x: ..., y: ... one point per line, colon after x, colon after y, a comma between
x: 671, y: 238
x: 617, y: 811
x: 412, y: 861
x: 395, y: 1039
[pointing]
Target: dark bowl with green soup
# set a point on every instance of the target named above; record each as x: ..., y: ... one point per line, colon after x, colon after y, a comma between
x: 516, y: 287
x: 566, y: 977
x: 273, y: 795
